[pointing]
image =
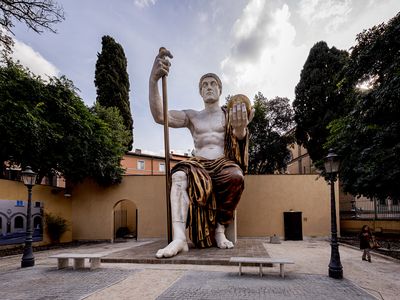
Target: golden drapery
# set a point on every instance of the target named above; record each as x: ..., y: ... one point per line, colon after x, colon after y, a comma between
x: 214, y: 187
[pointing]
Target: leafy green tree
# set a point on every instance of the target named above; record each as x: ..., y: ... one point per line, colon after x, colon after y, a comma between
x: 112, y: 117
x: 317, y: 101
x: 112, y: 81
x: 368, y: 138
x: 38, y: 15
x: 268, y: 144
x: 47, y: 126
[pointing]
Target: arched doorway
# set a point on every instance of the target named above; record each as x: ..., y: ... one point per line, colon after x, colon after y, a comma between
x: 125, y: 220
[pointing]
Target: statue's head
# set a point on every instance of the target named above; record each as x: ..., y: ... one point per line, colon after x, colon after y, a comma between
x: 212, y: 75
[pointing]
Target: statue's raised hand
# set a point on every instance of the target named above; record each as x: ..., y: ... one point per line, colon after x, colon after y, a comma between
x: 161, y: 65
x: 240, y: 119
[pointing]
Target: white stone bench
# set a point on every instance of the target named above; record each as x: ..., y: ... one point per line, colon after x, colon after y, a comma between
x: 261, y: 261
x: 79, y: 260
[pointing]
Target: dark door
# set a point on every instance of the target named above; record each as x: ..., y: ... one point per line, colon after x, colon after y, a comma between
x: 293, y: 225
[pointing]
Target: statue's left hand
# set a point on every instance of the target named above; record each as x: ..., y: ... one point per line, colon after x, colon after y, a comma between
x: 239, y: 119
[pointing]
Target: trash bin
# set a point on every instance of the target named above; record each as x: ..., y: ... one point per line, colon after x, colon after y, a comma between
x: 293, y: 225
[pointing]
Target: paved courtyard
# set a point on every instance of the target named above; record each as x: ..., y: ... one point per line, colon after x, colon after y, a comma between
x: 306, y: 279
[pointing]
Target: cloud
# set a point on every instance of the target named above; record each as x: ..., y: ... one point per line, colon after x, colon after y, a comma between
x: 203, y: 17
x: 331, y: 13
x: 145, y: 3
x: 263, y: 55
x: 33, y: 60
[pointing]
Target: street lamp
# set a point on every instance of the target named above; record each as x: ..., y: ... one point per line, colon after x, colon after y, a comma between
x: 29, y: 179
x: 332, y: 163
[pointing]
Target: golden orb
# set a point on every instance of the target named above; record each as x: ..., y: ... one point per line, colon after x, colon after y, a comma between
x: 240, y: 98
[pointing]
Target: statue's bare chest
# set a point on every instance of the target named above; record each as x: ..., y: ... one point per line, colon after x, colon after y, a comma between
x: 203, y: 123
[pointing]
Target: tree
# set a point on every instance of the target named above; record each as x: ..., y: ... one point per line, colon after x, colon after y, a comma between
x: 368, y: 138
x: 38, y: 15
x: 112, y: 81
x: 317, y: 100
x: 268, y: 145
x: 47, y: 126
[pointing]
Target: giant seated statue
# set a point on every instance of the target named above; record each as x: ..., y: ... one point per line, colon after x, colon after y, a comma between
x: 205, y: 189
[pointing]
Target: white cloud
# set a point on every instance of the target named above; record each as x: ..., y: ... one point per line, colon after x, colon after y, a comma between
x: 203, y: 17
x: 332, y: 13
x: 263, y: 55
x: 33, y: 60
x: 145, y: 3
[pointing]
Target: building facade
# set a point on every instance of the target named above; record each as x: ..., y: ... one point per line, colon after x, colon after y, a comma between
x: 138, y: 163
x: 300, y: 162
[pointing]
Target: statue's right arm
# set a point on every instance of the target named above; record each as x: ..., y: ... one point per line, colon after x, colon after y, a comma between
x: 160, y: 68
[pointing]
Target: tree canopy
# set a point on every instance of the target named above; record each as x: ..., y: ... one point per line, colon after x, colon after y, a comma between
x: 46, y: 125
x: 317, y: 100
x: 112, y: 81
x: 268, y: 145
x: 38, y: 15
x: 368, y: 138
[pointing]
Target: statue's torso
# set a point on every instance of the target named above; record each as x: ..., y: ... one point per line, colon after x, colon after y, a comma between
x: 208, y: 132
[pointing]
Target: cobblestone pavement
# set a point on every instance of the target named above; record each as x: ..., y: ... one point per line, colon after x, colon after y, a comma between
x: 50, y: 283
x: 306, y: 279
x: 213, y: 285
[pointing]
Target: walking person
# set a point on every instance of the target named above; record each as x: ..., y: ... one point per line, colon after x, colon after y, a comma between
x: 365, y: 242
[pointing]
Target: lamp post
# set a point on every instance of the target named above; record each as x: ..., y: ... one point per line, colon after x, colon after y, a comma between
x: 331, y: 163
x: 29, y: 179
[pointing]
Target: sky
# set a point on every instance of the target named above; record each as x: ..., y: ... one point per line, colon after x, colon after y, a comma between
x: 254, y: 46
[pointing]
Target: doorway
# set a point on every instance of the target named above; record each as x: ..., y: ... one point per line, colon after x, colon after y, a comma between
x: 125, y: 220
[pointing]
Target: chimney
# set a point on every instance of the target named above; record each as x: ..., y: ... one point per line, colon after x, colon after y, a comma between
x: 138, y: 151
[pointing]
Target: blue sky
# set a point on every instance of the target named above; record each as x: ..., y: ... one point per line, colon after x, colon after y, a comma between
x: 255, y: 45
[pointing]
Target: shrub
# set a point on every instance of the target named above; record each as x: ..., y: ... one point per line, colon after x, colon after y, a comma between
x: 56, y: 226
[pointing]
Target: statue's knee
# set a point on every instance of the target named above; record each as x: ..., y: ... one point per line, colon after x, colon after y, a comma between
x: 237, y: 177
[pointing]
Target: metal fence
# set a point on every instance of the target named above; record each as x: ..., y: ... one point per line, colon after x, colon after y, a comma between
x: 370, y: 209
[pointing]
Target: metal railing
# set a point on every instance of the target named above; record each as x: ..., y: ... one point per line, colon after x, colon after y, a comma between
x: 370, y: 209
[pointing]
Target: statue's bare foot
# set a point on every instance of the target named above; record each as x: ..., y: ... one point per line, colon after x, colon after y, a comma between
x: 222, y: 241
x: 173, y: 249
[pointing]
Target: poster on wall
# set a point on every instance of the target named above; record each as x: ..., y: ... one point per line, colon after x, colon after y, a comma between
x: 13, y: 221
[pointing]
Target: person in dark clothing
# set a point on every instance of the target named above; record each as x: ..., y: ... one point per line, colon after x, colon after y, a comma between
x: 365, y: 238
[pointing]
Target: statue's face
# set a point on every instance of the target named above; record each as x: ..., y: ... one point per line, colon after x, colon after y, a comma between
x: 210, y: 90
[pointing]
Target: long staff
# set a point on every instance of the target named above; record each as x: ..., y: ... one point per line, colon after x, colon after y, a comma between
x: 166, y: 150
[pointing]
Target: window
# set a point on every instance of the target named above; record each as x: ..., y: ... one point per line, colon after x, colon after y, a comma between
x: 37, y: 204
x: 140, y: 165
x: 161, y: 167
x: 18, y: 222
x: 19, y: 203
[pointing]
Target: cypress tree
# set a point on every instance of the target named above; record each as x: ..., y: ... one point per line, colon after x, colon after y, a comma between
x: 317, y: 100
x: 112, y: 81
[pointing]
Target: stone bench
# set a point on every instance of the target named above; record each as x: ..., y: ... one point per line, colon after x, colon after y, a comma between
x: 261, y: 261
x: 78, y: 260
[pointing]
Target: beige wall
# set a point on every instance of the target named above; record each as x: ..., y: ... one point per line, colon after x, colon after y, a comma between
x: 53, y: 201
x: 260, y: 212
x: 385, y: 226
x: 94, y: 203
x: 266, y: 197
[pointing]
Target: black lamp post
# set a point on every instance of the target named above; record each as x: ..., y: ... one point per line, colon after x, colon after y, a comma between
x: 29, y: 179
x: 332, y: 163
